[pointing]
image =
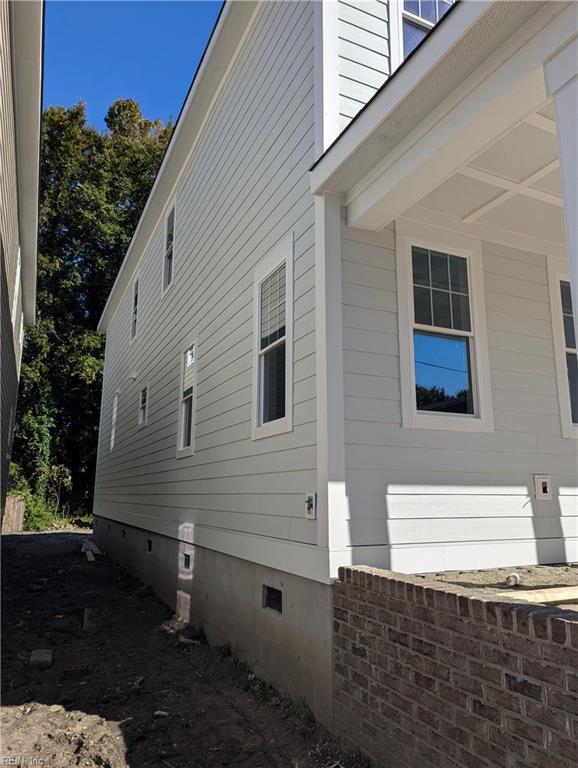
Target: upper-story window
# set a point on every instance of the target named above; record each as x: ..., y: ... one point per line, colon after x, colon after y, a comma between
x: 143, y: 406
x: 570, y: 347
x: 188, y: 387
x: 134, y: 314
x: 169, y: 249
x: 418, y: 17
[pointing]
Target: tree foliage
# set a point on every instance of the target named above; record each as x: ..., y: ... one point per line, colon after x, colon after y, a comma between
x: 93, y: 187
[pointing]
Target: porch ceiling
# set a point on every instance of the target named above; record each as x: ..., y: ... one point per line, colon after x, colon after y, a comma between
x: 512, y: 185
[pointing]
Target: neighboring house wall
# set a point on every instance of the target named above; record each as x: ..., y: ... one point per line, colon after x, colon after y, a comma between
x: 11, y: 273
x: 364, y: 53
x: 244, y: 188
x: 433, y: 499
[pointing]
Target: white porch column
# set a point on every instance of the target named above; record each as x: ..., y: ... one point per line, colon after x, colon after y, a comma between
x: 332, y: 502
x: 561, y: 73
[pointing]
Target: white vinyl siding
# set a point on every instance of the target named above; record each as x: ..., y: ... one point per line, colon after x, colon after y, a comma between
x: 425, y: 499
x: 363, y: 51
x: 246, y: 185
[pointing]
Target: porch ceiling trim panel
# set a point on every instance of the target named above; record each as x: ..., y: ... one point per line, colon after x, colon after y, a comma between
x: 478, y: 74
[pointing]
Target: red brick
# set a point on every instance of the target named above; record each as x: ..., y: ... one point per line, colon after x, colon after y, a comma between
x: 495, y: 655
x: 539, y: 671
x: 567, y: 702
x: 558, y: 721
x: 467, y: 684
x: 506, y: 613
x: 487, y: 711
x: 448, y: 692
x: 560, y: 654
x: 486, y: 672
x: 540, y: 759
x: 503, y: 699
x: 467, y: 646
x: 453, y: 659
x: 524, y: 730
x: 558, y: 629
x: 522, y: 620
x: 464, y: 607
x: 524, y: 687
x: 469, y: 722
x: 495, y: 755
x: 506, y: 742
x: 423, y: 647
x: 540, y: 623
x: 563, y: 747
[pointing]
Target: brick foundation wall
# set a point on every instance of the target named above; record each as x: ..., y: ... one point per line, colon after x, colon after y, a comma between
x: 426, y: 677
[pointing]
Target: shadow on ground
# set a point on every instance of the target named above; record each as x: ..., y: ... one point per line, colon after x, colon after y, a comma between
x: 123, y: 690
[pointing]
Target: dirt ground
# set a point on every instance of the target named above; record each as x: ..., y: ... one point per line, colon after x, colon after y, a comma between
x: 123, y: 689
x: 531, y: 576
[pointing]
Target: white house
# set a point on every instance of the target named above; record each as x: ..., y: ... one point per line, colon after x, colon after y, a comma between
x: 343, y: 331
x: 21, y: 25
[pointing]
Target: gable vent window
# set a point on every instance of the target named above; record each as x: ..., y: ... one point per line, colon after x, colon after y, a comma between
x: 134, y: 316
x: 570, y: 347
x: 169, y: 249
x: 187, y: 407
x: 418, y: 18
x: 143, y: 406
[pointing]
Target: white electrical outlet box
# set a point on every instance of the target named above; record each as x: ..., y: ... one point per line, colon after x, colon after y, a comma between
x: 311, y: 505
x: 543, y: 486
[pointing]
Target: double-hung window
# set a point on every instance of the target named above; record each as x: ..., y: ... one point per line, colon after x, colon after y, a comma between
x: 143, y: 406
x: 570, y: 347
x: 413, y: 19
x: 134, y: 313
x: 187, y: 400
x: 169, y: 249
x: 273, y: 362
x: 443, y: 346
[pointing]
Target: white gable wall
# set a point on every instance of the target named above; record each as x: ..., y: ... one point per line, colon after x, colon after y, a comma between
x: 244, y: 189
x: 428, y: 499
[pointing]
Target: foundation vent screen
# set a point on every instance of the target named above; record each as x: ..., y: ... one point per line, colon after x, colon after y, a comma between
x: 272, y: 598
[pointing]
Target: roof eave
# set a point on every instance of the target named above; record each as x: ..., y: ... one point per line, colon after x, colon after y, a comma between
x: 27, y: 53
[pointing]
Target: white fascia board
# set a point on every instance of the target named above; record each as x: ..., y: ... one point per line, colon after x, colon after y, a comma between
x: 394, y: 90
x: 224, y: 45
x: 492, y: 101
x: 26, y: 21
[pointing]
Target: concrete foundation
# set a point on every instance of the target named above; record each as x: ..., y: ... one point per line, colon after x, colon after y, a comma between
x: 225, y: 596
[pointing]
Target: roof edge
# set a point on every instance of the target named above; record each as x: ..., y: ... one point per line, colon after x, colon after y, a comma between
x: 228, y: 35
x: 27, y: 43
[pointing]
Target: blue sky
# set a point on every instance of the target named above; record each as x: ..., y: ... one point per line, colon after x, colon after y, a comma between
x: 101, y: 51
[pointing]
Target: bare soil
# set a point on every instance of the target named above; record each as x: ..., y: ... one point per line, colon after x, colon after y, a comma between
x: 531, y: 577
x: 123, y: 690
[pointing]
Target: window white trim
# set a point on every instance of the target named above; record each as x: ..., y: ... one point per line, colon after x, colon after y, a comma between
x: 557, y: 272
x: 282, y: 253
x: 171, y: 207
x: 140, y: 420
x: 187, y: 450
x: 408, y: 234
x: 134, y: 316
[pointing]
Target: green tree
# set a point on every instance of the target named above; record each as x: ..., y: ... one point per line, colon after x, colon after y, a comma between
x: 93, y: 187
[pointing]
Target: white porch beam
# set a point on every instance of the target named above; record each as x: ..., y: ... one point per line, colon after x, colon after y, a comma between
x: 501, y: 93
x: 561, y: 73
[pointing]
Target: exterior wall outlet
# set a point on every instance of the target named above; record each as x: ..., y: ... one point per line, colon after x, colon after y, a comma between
x: 543, y: 486
x: 311, y: 505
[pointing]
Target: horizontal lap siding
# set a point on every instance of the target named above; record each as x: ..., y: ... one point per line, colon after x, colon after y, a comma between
x: 436, y: 497
x: 363, y: 50
x: 244, y: 188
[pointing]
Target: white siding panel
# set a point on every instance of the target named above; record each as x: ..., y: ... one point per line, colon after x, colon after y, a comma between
x: 245, y: 186
x: 364, y: 55
x: 435, y: 499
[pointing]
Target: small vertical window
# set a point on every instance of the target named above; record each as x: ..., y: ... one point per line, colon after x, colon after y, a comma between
x: 570, y: 347
x: 134, y: 316
x: 187, y: 411
x: 143, y: 406
x: 442, y: 333
x: 169, y: 249
x: 418, y: 18
x: 16, y: 293
x: 272, y: 346
x: 113, y: 420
